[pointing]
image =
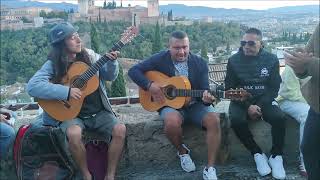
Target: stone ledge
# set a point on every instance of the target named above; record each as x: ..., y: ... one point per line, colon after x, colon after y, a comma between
x: 146, y: 141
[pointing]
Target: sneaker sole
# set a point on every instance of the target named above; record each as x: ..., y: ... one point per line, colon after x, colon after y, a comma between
x: 205, y: 178
x: 278, y: 177
x: 189, y: 170
x: 265, y: 173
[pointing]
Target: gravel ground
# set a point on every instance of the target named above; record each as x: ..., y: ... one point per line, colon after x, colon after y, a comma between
x: 234, y: 170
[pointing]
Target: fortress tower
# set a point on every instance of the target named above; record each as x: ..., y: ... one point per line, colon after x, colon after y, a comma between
x: 153, y: 8
x: 85, y: 6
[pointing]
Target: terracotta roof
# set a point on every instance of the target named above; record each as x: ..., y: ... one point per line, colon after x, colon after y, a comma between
x: 217, y: 72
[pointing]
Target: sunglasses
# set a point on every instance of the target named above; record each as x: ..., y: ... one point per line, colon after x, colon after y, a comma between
x: 74, y: 36
x: 250, y: 43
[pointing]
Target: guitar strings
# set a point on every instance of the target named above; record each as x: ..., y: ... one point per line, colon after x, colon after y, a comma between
x: 82, y: 79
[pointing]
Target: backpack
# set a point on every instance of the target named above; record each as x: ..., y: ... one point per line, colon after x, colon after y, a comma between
x: 39, y: 154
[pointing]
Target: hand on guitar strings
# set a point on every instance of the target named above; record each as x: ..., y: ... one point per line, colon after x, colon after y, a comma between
x: 75, y: 93
x: 113, y: 55
x: 207, y: 97
x: 156, y: 93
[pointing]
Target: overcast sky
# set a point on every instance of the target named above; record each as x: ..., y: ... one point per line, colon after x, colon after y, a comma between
x: 253, y: 4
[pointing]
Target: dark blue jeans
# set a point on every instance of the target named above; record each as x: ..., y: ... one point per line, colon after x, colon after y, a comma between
x: 7, y: 135
x: 311, y: 145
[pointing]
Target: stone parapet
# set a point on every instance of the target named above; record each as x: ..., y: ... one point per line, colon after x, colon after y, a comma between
x: 147, y: 143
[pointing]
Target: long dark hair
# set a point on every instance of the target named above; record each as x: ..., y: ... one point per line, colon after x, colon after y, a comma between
x: 59, y: 58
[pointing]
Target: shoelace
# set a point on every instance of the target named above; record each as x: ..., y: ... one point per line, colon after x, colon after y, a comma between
x: 302, y: 168
x: 211, y: 173
x: 185, y: 159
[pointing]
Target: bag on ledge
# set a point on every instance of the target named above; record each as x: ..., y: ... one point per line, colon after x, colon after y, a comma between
x: 39, y: 154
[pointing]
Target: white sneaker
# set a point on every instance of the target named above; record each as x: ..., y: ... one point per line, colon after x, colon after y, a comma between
x: 185, y: 160
x: 276, y: 165
x: 209, y: 174
x: 262, y: 164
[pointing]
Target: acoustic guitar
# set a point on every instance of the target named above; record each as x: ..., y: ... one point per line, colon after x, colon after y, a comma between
x: 178, y: 93
x: 80, y: 75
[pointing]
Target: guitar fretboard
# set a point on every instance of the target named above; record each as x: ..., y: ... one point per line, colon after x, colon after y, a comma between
x: 83, y: 78
x: 196, y: 93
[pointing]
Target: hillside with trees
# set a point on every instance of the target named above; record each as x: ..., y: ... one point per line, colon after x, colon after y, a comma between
x: 23, y: 52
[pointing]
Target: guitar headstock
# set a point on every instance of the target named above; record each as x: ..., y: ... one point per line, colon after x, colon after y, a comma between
x: 238, y: 94
x: 130, y: 33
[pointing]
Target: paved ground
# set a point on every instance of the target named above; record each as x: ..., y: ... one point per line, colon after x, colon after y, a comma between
x: 234, y: 170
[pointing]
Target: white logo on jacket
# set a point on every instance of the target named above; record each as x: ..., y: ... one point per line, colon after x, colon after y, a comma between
x: 264, y: 72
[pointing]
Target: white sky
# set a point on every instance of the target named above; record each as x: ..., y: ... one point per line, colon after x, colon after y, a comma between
x: 253, y: 4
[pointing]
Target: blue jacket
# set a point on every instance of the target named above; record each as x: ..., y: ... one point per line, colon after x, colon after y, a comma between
x: 39, y: 85
x: 197, y: 70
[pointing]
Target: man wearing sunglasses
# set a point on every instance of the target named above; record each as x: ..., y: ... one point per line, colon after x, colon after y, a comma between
x: 257, y: 71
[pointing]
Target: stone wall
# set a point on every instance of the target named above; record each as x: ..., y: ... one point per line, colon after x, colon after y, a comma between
x: 147, y: 143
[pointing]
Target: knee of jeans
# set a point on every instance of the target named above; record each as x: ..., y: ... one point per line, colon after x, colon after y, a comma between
x: 172, y: 121
x: 211, y: 120
x: 74, y: 134
x: 119, y: 131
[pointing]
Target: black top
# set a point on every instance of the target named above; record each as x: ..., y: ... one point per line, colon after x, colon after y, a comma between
x: 259, y: 75
x: 92, y: 104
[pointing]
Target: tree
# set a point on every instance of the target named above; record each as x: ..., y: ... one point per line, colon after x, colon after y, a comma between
x: 99, y: 17
x: 204, y: 52
x: 300, y: 37
x: 94, y: 39
x: 294, y: 38
x: 228, y: 47
x: 43, y: 14
x: 25, y: 20
x: 105, y: 4
x: 118, y: 87
x: 156, y: 44
x: 114, y: 4
x: 170, y: 17
x: 111, y: 5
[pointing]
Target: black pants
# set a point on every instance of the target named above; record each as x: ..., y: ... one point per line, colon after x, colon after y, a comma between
x: 271, y: 114
x: 311, y: 145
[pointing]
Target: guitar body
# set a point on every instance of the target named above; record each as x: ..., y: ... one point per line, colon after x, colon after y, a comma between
x: 178, y: 82
x: 67, y: 110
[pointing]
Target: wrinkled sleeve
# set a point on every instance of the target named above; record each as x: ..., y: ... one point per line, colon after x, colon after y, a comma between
x: 136, y: 72
x: 39, y: 86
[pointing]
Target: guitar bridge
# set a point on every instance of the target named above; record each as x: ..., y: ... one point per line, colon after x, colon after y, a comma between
x: 66, y: 104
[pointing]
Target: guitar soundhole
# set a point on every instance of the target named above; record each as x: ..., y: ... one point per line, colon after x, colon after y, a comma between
x: 78, y: 83
x: 170, y: 92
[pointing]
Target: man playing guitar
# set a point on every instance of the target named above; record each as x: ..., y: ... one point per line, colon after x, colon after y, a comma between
x: 179, y: 61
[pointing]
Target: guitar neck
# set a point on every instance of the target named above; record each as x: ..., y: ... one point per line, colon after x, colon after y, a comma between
x: 197, y: 93
x: 97, y: 65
